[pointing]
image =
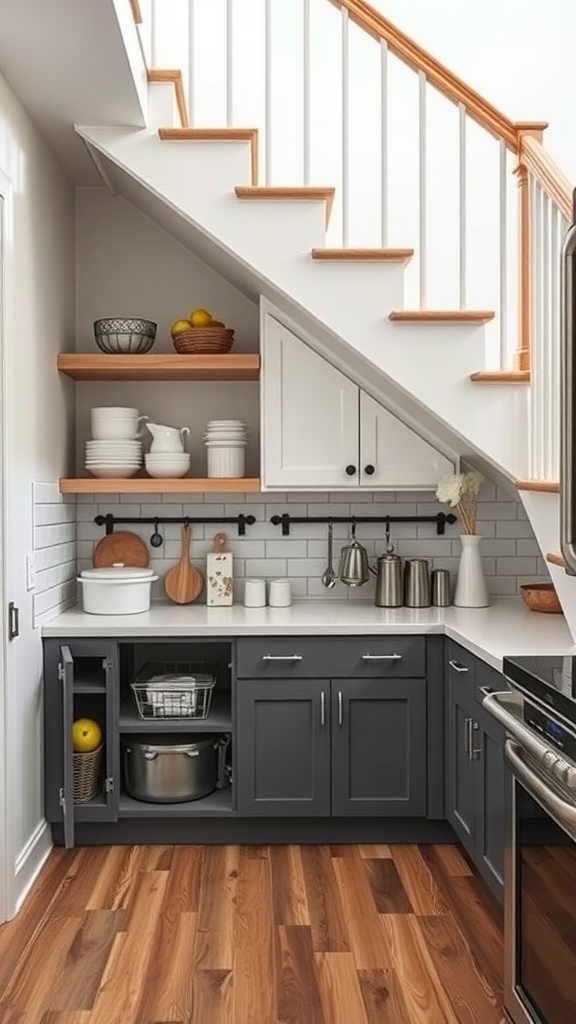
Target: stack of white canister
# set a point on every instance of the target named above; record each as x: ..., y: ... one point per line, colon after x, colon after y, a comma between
x: 226, y: 442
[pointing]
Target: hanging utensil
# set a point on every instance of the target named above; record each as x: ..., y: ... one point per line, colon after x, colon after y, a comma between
x: 183, y: 583
x: 219, y: 582
x: 329, y: 577
x: 353, y: 569
x: 121, y: 548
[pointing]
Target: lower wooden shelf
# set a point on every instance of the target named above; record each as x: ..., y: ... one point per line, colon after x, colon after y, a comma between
x: 147, y: 485
x: 214, y: 805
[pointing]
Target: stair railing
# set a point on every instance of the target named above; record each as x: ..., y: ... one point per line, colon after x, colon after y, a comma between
x: 342, y: 97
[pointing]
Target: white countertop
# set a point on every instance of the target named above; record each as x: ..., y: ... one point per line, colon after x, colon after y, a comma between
x: 506, y: 627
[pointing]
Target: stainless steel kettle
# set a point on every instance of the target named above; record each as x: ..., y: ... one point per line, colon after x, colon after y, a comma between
x: 389, y: 581
x: 353, y: 569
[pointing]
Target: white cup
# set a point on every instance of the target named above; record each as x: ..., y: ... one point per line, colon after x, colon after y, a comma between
x: 279, y: 593
x: 254, y: 593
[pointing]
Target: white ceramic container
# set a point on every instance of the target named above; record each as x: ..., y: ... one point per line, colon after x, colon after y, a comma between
x: 279, y: 593
x: 117, y: 590
x: 225, y: 462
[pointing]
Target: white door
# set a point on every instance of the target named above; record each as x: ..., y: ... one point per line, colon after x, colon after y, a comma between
x: 4, y: 832
x: 400, y: 458
x: 309, y: 416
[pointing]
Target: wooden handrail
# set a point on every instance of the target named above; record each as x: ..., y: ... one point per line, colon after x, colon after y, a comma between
x: 547, y: 173
x: 446, y: 81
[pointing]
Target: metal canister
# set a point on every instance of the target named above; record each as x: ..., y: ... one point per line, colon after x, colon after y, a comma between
x: 441, y: 588
x: 416, y: 583
x: 389, y: 583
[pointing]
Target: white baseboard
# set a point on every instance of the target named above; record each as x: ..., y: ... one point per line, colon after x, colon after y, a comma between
x: 30, y: 860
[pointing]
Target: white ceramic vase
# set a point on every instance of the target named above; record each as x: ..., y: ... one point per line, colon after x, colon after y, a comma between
x: 471, y: 589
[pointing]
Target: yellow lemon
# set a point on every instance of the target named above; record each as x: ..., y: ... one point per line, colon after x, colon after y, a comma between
x: 180, y: 325
x: 200, y: 318
x: 86, y: 735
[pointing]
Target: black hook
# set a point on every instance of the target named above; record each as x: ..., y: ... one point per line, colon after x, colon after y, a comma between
x: 353, y: 528
x: 156, y: 539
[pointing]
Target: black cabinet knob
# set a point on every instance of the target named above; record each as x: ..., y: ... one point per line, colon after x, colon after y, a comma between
x: 369, y: 469
x: 351, y: 470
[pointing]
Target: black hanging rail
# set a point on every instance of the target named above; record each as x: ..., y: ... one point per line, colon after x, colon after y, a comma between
x: 110, y: 520
x: 441, y: 518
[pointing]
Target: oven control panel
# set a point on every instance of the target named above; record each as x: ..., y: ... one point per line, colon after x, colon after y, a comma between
x: 561, y: 737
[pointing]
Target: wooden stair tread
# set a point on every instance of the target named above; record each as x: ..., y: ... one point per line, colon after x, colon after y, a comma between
x: 307, y: 193
x: 187, y: 134
x: 501, y: 376
x: 555, y: 559
x: 457, y: 316
x: 545, y: 486
x: 173, y: 75
x: 376, y: 255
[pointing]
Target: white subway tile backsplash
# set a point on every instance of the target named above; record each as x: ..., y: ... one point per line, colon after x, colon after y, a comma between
x: 510, y: 552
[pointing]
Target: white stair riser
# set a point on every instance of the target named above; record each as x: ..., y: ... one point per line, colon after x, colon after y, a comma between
x: 162, y: 106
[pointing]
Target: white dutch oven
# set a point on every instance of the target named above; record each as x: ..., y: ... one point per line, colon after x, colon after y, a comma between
x: 117, y: 590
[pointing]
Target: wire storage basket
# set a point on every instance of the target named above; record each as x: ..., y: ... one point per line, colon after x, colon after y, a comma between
x: 180, y: 690
x: 86, y: 774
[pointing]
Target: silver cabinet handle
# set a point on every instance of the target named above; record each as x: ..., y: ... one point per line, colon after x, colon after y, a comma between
x: 381, y: 657
x: 339, y: 707
x: 281, y: 657
x: 458, y: 667
x: 474, y: 751
x: 322, y: 709
x: 467, y: 737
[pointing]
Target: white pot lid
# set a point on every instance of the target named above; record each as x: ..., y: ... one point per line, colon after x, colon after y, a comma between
x: 119, y: 571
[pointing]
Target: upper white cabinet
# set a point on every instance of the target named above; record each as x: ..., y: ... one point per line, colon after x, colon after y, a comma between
x: 321, y: 431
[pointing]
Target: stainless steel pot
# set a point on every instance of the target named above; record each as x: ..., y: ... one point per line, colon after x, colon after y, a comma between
x: 172, y: 769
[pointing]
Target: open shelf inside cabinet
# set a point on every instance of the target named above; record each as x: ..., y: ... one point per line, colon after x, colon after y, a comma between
x: 214, y: 805
x: 219, y: 718
x: 166, y: 367
x: 184, y: 485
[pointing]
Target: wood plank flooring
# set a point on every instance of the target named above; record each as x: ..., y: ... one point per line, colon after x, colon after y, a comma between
x: 254, y: 935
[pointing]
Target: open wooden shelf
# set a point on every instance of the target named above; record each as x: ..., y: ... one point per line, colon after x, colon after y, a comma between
x: 173, y: 367
x: 147, y: 485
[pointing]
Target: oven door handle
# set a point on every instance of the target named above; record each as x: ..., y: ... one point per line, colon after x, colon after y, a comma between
x: 562, y: 812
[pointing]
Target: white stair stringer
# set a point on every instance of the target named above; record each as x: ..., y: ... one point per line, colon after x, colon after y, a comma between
x: 272, y: 241
x: 543, y: 510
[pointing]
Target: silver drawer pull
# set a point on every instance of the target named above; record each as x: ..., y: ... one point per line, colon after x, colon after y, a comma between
x: 381, y: 657
x: 281, y: 657
x: 457, y: 667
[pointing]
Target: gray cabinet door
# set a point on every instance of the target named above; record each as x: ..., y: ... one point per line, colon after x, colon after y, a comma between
x: 379, y: 747
x: 283, y: 760
x: 461, y: 795
x: 80, y: 681
x: 490, y: 838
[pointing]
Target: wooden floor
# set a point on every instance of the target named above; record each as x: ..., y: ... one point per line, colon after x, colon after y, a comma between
x: 254, y: 935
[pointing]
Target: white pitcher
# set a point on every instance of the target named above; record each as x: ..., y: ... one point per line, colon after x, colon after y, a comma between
x: 167, y: 439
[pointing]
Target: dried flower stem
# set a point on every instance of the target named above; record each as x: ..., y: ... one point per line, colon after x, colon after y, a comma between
x: 467, y: 512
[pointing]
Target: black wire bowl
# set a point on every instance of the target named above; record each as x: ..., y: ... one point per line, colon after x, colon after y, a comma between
x: 117, y: 335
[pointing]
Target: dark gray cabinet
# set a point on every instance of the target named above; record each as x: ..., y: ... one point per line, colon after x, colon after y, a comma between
x: 475, y: 765
x: 339, y: 746
x: 80, y: 681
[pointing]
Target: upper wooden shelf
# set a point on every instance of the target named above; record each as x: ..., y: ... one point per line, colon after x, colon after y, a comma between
x: 100, y: 366
x: 147, y: 485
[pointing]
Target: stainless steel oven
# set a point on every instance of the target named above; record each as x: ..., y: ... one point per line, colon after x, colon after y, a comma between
x: 540, y: 856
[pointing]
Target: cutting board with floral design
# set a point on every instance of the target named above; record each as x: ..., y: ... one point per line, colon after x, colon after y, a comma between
x: 219, y: 578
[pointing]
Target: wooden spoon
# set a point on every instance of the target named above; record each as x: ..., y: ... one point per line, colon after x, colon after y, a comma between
x: 183, y: 583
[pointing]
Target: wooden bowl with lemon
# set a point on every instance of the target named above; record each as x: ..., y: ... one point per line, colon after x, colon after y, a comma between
x: 200, y: 334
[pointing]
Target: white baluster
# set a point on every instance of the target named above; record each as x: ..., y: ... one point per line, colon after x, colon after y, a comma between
x: 503, y: 253
x: 545, y: 340
x: 155, y: 20
x: 462, y: 206
x: 267, y: 91
x: 536, y: 323
x: 345, y: 129
x: 422, y: 187
x: 191, y: 90
x: 229, y: 66
x: 306, y: 94
x: 384, y: 142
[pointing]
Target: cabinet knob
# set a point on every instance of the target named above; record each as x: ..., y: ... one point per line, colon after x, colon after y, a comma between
x: 369, y: 469
x: 351, y: 470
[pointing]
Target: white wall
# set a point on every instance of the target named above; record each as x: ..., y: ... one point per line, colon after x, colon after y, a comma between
x: 38, y: 321
x: 519, y: 54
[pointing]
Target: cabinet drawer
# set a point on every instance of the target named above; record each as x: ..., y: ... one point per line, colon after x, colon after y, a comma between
x: 331, y: 657
x: 461, y: 664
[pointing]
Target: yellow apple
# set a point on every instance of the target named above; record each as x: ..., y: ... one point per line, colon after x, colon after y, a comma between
x: 86, y: 735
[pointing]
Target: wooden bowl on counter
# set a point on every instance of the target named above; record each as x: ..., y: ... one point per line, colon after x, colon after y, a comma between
x: 541, y: 597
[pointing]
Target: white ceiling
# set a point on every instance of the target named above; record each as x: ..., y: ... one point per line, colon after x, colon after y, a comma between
x: 66, y: 62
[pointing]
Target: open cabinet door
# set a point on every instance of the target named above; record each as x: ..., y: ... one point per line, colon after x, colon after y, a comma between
x: 5, y: 831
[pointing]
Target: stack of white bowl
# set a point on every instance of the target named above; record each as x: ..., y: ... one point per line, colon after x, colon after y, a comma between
x: 226, y: 442
x: 114, y: 451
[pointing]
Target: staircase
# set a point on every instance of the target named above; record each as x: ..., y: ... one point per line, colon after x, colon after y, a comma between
x: 439, y: 292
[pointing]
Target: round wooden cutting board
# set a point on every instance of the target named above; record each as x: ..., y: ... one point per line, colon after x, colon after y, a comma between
x: 121, y: 547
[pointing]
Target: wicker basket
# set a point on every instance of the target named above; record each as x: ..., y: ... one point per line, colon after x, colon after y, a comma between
x: 86, y: 773
x: 203, y: 340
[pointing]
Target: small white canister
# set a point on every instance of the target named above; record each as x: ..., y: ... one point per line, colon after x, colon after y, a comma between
x: 116, y: 590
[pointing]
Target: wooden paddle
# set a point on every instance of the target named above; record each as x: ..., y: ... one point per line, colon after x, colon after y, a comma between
x: 183, y: 583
